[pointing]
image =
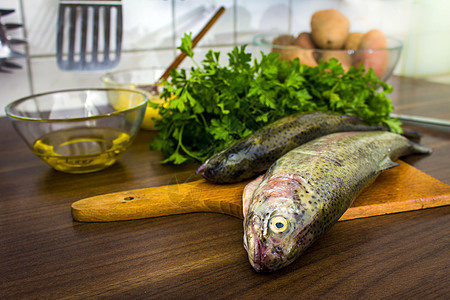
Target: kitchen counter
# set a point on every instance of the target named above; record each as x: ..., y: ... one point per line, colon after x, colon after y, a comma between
x: 44, y: 254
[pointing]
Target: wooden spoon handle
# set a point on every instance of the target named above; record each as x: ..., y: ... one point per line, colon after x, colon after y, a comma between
x: 195, y: 41
x: 196, y: 196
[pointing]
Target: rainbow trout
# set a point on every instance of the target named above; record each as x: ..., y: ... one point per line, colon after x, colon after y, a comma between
x: 255, y: 153
x: 308, y: 189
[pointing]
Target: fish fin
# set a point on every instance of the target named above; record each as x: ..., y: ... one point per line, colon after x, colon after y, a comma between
x: 386, y: 163
x: 248, y: 193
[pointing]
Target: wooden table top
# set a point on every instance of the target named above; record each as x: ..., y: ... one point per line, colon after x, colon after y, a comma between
x: 44, y: 254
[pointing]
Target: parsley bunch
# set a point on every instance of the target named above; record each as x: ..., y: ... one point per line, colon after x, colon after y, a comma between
x: 216, y: 105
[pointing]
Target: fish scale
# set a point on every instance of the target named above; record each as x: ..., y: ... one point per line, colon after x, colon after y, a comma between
x: 324, y: 177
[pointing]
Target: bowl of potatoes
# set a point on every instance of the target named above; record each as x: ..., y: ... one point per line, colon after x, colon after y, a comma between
x: 330, y: 37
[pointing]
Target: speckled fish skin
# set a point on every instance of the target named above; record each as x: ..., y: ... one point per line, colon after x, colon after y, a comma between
x: 306, y: 191
x: 255, y: 153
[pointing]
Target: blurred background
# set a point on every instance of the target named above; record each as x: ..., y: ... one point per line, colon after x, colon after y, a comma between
x: 152, y: 31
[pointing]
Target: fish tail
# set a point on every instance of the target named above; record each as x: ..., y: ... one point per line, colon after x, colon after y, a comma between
x: 412, y: 135
x: 418, y: 148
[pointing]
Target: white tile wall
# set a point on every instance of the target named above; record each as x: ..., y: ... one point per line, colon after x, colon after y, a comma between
x: 429, y: 39
x: 152, y: 29
x: 261, y: 16
x: 147, y: 24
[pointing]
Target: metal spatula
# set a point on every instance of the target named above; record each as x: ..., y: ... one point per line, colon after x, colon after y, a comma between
x: 89, y: 35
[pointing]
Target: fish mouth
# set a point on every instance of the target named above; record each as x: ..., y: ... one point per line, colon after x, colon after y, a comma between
x: 257, y: 252
x: 266, y: 256
x: 258, y: 257
x: 201, y: 169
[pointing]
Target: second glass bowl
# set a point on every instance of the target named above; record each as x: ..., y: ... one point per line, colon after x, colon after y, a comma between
x: 383, y: 61
x: 145, y: 80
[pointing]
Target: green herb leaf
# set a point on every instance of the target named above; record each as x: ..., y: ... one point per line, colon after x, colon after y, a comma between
x: 186, y: 44
x: 216, y: 105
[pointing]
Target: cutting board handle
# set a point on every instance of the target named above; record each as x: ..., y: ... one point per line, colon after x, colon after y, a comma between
x: 196, y: 196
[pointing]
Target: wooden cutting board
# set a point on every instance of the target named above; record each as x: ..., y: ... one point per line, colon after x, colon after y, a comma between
x: 399, y: 189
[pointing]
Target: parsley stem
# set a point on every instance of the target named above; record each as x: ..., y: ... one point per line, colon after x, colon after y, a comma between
x: 180, y: 144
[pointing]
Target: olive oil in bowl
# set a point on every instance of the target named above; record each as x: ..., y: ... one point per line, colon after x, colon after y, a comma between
x: 82, y: 149
x: 79, y: 130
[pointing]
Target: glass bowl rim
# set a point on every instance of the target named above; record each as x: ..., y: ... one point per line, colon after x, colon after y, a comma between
x: 257, y: 41
x: 106, y: 78
x: 77, y: 119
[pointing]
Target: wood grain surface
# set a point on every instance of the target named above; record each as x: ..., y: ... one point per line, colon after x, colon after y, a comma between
x: 44, y: 254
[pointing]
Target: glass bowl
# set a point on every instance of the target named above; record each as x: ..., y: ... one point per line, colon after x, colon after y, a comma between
x: 145, y: 80
x: 80, y: 130
x: 383, y: 61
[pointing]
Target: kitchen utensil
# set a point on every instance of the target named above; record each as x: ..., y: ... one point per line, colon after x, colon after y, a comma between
x: 10, y: 26
x: 5, y: 47
x: 4, y: 12
x: 398, y: 189
x: 11, y: 40
x: 423, y: 120
x: 195, y: 41
x: 6, y: 65
x: 89, y: 35
x: 6, y: 51
x: 79, y: 131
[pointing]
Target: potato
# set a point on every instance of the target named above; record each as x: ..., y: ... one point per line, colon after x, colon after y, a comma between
x: 305, y: 41
x: 329, y: 29
x: 373, y: 39
x: 305, y: 56
x: 286, y: 53
x: 284, y: 40
x: 343, y: 57
x: 353, y: 40
x: 377, y: 60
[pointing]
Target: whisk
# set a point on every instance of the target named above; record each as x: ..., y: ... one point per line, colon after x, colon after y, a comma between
x: 6, y: 51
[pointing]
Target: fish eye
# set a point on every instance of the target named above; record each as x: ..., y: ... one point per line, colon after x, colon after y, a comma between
x: 278, y: 224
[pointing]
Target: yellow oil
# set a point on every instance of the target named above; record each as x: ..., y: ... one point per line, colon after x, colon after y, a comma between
x: 121, y: 101
x: 151, y: 113
x: 83, y: 149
